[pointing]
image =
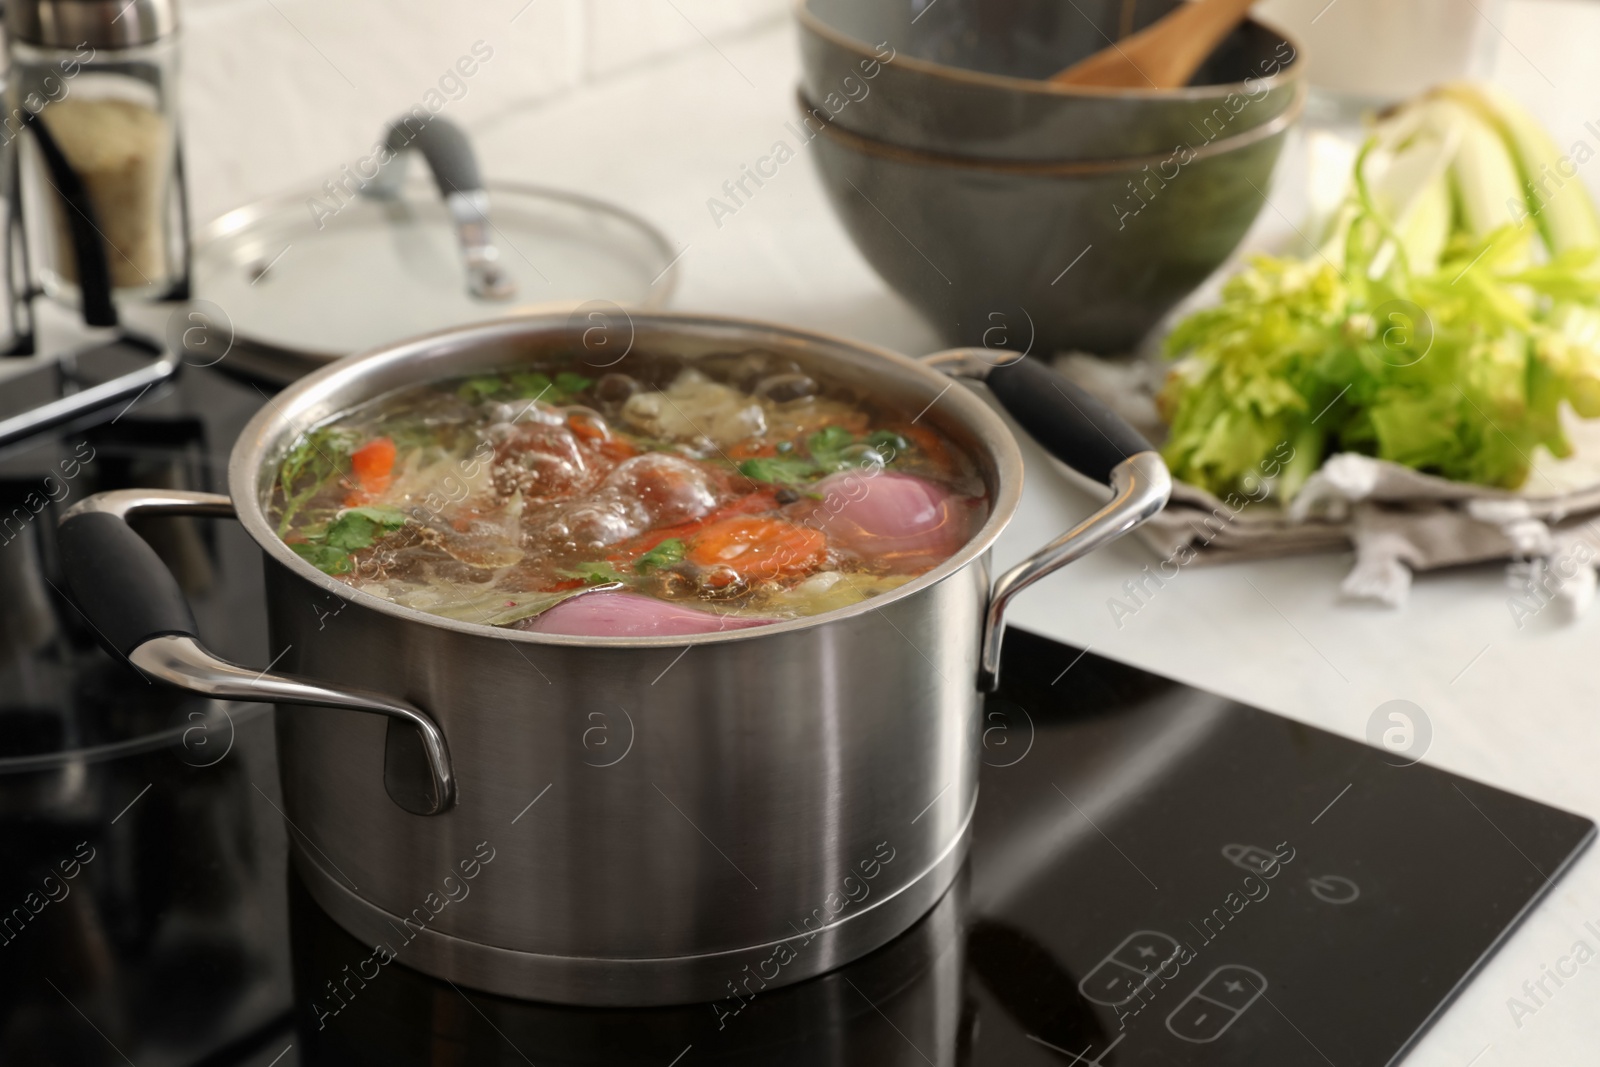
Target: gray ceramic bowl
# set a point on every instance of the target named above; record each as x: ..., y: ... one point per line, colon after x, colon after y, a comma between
x: 1047, y: 256
x: 966, y: 77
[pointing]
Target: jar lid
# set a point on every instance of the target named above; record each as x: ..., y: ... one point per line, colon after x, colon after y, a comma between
x: 97, y: 23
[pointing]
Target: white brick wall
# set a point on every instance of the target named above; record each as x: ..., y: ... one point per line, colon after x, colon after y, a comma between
x: 278, y: 93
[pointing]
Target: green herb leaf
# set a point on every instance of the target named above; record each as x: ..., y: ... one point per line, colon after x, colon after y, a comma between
x: 475, y: 390
x: 570, y: 384
x: 385, y: 515
x: 351, y: 532
x: 358, y: 528
x: 325, y: 558
x: 827, y: 446
x: 596, y: 571
x: 532, y: 385
x: 888, y: 444
x: 781, y: 470
x: 316, y: 459
x: 830, y: 439
x: 836, y: 449
x: 665, y: 554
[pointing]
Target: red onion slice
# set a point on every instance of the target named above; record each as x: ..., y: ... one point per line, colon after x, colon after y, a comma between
x: 906, y: 520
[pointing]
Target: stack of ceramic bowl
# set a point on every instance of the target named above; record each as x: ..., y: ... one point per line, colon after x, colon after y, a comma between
x: 1018, y: 213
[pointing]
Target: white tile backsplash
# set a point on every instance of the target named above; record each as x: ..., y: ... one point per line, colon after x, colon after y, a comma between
x: 278, y: 94
x: 623, y: 33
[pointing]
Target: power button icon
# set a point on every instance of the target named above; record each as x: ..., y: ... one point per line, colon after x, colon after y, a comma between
x: 1334, y: 889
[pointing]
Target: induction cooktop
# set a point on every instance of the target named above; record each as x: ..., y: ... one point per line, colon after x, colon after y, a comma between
x: 1158, y: 875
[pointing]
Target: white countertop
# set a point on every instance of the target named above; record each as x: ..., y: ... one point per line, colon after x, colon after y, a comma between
x: 1511, y: 707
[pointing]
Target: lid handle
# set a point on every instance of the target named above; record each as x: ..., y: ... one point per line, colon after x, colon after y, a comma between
x: 455, y: 170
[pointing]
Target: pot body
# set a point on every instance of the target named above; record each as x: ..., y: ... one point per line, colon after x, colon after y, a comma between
x: 645, y: 821
x: 626, y: 821
x: 640, y: 825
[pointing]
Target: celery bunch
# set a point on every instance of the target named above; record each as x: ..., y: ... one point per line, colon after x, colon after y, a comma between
x: 1452, y: 310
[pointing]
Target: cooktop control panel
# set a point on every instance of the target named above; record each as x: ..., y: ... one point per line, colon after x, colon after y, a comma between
x: 1194, y: 881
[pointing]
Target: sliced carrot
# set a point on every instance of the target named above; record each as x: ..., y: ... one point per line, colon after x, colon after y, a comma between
x: 749, y: 504
x: 585, y: 427
x: 757, y: 547
x: 761, y: 500
x: 372, y: 468
x: 753, y: 448
x: 374, y: 460
x: 617, y: 449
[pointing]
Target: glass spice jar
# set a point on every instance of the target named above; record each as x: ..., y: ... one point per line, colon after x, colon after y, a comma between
x: 101, y: 76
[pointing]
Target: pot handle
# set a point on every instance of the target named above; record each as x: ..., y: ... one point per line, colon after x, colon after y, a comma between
x: 134, y: 604
x: 1084, y: 434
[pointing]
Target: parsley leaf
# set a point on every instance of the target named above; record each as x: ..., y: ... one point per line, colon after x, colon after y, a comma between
x: 665, y: 554
x: 326, y: 558
x: 358, y: 528
x: 888, y: 444
x: 595, y: 572
x: 570, y: 384
x: 315, y: 460
x: 524, y: 385
x: 782, y: 470
x: 484, y: 386
x: 534, y: 385
x: 827, y: 446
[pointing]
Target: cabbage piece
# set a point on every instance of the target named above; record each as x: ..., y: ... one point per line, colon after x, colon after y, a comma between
x: 495, y: 607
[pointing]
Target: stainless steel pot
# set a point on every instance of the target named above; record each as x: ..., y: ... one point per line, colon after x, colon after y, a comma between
x: 610, y: 820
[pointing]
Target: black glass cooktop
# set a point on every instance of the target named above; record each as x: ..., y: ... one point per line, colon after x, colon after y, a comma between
x: 1158, y: 876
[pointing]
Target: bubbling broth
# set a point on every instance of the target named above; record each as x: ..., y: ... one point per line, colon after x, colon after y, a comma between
x: 682, y: 497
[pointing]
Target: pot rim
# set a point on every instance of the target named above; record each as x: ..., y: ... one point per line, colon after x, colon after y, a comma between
x: 1292, y: 71
x: 265, y: 430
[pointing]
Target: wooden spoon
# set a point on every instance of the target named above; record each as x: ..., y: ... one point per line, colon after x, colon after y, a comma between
x: 1163, y: 55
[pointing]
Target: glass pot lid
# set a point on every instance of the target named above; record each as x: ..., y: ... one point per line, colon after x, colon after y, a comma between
x: 329, y: 271
x: 380, y: 270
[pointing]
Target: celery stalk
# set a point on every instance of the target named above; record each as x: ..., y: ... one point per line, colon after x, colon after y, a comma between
x: 1425, y: 228
x: 1550, y: 188
x: 1488, y: 187
x: 1404, y: 173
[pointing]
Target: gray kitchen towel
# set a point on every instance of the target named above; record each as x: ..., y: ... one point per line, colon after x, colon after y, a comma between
x: 1398, y: 521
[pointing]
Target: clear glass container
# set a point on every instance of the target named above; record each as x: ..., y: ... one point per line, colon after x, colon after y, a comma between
x: 113, y: 112
x: 1367, y: 54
